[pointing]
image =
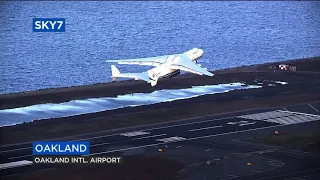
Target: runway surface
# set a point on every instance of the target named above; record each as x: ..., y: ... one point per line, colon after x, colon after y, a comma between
x: 201, y: 140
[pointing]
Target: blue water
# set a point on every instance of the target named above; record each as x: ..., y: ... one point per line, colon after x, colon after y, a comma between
x: 230, y: 33
x: 92, y: 105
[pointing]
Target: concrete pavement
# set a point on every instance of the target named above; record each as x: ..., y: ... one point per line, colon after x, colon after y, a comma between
x: 191, y: 134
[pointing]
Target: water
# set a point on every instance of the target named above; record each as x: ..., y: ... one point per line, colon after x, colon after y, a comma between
x: 45, y: 111
x: 230, y: 33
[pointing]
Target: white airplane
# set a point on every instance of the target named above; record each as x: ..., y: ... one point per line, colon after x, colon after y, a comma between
x: 166, y: 66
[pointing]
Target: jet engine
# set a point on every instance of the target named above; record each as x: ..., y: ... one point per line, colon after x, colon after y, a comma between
x: 177, y: 72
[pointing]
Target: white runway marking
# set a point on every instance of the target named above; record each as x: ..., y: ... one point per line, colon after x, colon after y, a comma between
x: 15, y: 164
x: 265, y: 115
x: 134, y: 133
x: 299, y: 113
x: 232, y: 123
x: 282, y: 117
x: 202, y: 137
x: 247, y: 124
x: 21, y: 156
x: 276, y: 164
x: 117, y: 134
x: 313, y: 107
x: 306, y: 117
x: 185, y: 124
x: 205, y: 128
x: 171, y: 139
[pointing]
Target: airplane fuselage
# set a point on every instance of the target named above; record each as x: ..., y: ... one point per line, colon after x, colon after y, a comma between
x: 164, y: 69
x: 164, y: 66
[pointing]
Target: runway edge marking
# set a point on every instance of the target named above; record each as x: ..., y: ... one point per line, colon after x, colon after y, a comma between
x: 139, y: 126
x: 15, y: 164
x: 145, y: 125
x: 150, y: 129
x: 156, y: 144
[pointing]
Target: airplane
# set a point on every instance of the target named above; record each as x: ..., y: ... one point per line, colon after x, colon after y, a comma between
x: 165, y: 66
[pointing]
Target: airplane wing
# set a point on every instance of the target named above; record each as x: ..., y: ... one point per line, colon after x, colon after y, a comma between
x: 184, y: 63
x: 151, y: 61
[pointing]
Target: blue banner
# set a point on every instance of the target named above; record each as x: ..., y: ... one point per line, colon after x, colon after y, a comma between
x: 61, y: 148
x: 49, y: 24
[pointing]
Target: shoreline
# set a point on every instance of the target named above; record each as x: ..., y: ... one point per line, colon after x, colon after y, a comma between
x: 302, y: 87
x: 112, y: 89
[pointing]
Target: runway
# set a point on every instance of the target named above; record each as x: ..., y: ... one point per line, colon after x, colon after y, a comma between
x: 147, y: 139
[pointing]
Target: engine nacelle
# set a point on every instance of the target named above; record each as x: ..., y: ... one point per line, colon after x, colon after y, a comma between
x: 171, y: 75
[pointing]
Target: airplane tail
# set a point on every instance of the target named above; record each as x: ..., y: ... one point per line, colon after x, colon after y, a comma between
x: 115, y: 72
x: 137, y: 76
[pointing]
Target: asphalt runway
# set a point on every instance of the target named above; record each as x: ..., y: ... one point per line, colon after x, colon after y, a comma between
x: 201, y: 140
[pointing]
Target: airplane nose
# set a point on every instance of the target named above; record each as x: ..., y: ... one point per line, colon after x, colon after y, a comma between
x: 200, y: 52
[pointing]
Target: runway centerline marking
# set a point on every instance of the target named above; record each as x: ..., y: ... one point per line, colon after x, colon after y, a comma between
x: 172, y: 139
x: 202, y: 137
x: 177, y: 125
x: 150, y: 136
x: 232, y: 123
x: 163, y: 127
x: 134, y: 133
x: 205, y: 128
x: 247, y: 124
x: 188, y: 124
